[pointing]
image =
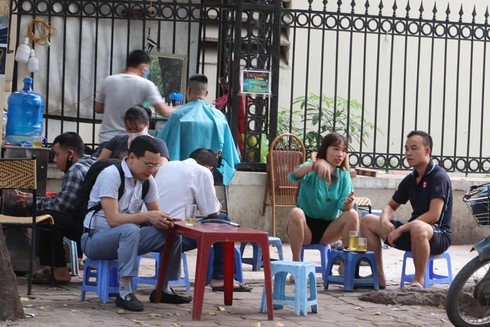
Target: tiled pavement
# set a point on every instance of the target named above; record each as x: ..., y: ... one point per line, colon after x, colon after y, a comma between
x: 61, y: 306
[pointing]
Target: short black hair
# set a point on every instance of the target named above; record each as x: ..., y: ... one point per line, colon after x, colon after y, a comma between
x: 136, y: 58
x: 144, y: 143
x: 198, y: 84
x: 427, y: 139
x: 205, y: 157
x: 138, y: 114
x: 71, y: 141
x: 199, y: 78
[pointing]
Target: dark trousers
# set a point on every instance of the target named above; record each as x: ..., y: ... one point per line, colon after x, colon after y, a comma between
x: 63, y: 226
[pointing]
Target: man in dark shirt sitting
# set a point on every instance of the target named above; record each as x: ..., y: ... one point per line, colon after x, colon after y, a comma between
x: 428, y: 232
x: 70, y: 158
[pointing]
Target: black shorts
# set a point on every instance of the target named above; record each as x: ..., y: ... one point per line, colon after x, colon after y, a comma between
x: 439, y: 243
x: 317, y: 228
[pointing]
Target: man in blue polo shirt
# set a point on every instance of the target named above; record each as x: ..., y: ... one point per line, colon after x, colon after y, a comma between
x: 428, y: 232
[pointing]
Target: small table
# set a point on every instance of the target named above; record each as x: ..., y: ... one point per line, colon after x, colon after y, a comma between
x: 206, y: 234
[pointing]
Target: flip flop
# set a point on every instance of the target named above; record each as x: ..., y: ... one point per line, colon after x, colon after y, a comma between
x: 241, y: 288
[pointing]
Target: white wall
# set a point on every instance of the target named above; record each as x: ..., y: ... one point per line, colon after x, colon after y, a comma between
x: 393, y: 99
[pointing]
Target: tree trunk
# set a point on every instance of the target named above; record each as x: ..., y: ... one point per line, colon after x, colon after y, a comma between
x: 10, y: 305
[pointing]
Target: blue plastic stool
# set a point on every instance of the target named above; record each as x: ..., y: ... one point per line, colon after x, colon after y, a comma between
x: 304, y: 276
x: 256, y: 260
x: 101, y: 277
x: 430, y: 277
x: 238, y: 266
x: 376, y: 212
x: 152, y: 280
x: 324, y: 252
x: 351, y: 269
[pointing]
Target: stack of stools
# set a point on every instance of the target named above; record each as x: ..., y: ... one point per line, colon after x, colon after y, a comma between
x: 324, y: 253
x: 256, y: 260
x: 304, y: 277
x: 152, y: 280
x: 351, y: 278
x: 430, y: 277
x: 101, y: 277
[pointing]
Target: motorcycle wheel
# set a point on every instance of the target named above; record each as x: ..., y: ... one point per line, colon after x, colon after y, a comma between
x: 468, y: 297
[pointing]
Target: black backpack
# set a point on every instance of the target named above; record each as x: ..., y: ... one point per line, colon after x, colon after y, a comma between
x: 80, y: 208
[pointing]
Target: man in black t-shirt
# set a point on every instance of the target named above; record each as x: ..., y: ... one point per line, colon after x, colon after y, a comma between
x: 428, y: 231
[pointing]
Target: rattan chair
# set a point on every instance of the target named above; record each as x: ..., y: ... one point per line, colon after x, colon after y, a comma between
x: 285, y: 153
x: 21, y: 174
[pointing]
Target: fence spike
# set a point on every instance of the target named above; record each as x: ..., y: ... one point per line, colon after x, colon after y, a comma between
x: 434, y: 11
x: 486, y: 16
x: 448, y: 11
x: 366, y: 5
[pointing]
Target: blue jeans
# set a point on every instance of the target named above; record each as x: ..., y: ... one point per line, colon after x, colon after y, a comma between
x: 191, y: 244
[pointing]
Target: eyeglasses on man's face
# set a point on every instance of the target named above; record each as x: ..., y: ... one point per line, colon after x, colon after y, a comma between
x: 151, y: 166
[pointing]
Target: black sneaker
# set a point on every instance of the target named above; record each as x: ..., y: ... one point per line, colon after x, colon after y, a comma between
x: 172, y: 298
x: 130, y: 302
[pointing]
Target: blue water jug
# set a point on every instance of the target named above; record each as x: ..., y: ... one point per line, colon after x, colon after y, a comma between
x: 24, y: 116
x: 176, y: 98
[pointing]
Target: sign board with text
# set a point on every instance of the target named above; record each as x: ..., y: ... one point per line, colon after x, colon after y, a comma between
x: 256, y: 82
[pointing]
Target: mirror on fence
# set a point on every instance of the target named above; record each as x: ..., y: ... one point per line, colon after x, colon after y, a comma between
x: 169, y: 73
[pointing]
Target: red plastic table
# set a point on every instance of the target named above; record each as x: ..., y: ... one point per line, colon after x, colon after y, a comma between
x: 206, y: 234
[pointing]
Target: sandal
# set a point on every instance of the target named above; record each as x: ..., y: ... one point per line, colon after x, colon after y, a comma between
x: 241, y: 288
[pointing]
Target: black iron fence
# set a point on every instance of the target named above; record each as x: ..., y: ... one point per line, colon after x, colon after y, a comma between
x: 376, y: 73
x: 372, y: 70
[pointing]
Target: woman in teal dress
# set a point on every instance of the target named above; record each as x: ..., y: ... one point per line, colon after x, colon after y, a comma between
x: 324, y: 212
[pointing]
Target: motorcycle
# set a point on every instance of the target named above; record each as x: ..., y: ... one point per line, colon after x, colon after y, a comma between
x: 468, y: 297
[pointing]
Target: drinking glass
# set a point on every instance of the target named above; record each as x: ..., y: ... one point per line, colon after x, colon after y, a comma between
x: 362, y: 244
x: 190, y: 214
x: 353, y: 239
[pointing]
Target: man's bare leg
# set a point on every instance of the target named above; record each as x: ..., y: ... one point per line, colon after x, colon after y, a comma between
x: 420, y: 234
x: 370, y: 229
